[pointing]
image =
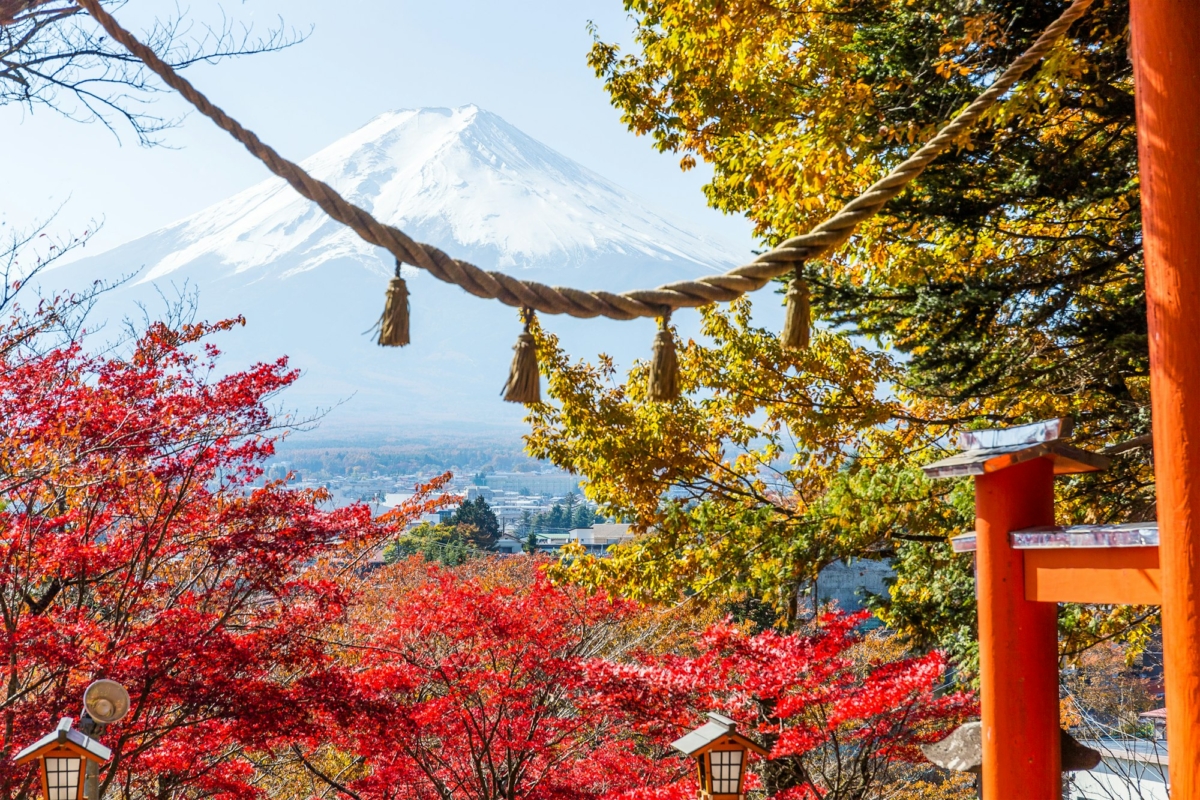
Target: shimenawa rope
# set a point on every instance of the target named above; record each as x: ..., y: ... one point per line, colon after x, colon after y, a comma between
x: 532, y: 296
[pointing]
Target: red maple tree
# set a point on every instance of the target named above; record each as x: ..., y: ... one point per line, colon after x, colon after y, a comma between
x: 139, y: 544
x: 468, y: 685
x: 499, y: 690
x: 136, y: 544
x: 835, y: 717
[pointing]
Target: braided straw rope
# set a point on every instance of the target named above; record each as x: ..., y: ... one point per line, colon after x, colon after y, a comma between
x: 627, y: 305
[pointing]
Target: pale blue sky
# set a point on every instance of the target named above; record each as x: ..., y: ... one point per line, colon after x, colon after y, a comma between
x: 523, y: 60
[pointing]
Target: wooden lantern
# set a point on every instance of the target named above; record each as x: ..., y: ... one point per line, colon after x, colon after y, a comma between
x: 720, y: 753
x: 63, y: 757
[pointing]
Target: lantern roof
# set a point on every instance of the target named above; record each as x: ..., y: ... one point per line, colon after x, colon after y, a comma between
x: 718, y: 730
x: 65, y: 737
x: 988, y: 451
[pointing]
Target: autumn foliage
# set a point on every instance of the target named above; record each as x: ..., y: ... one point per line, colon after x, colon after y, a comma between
x: 489, y: 682
x: 837, y: 722
x: 472, y: 686
x: 265, y: 659
x: 138, y: 546
x: 1003, y: 286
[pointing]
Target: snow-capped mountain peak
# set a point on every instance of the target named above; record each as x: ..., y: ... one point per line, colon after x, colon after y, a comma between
x: 462, y: 176
x: 461, y: 179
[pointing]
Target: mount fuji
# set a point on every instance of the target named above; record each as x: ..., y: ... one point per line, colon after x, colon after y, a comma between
x: 462, y: 179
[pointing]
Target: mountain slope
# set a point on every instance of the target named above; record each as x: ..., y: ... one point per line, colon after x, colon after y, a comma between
x: 464, y: 180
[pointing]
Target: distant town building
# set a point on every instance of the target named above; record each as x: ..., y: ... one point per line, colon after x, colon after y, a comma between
x: 486, y: 492
x: 595, y: 540
x: 1158, y: 721
x: 601, y: 536
x: 848, y: 584
x: 548, y: 484
x: 509, y: 545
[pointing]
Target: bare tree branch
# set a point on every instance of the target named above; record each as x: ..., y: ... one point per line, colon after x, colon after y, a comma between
x: 53, y: 55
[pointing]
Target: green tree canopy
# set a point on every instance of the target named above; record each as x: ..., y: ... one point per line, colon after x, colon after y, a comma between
x: 584, y: 517
x: 442, y: 544
x: 478, y: 523
x: 1005, y: 285
x: 1010, y: 274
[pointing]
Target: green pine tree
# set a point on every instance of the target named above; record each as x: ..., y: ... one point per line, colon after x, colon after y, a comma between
x: 584, y: 516
x: 478, y: 522
x: 530, y: 545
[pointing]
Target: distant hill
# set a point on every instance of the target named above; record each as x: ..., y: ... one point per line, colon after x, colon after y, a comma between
x: 462, y: 179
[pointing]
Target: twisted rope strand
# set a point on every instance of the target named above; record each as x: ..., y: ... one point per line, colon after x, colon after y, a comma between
x: 564, y: 300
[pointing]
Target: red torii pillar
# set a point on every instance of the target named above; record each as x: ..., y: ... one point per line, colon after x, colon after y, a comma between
x: 1018, y: 639
x: 1014, y: 473
x: 1166, y: 58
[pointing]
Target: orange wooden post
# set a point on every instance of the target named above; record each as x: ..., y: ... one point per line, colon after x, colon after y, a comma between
x: 1018, y: 639
x: 1166, y: 57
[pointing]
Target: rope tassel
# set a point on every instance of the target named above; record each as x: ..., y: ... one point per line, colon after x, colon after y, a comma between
x: 393, y: 325
x: 524, y: 378
x: 664, y: 364
x: 798, y: 322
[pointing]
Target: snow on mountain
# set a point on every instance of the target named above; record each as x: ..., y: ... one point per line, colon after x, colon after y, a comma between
x: 462, y: 179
